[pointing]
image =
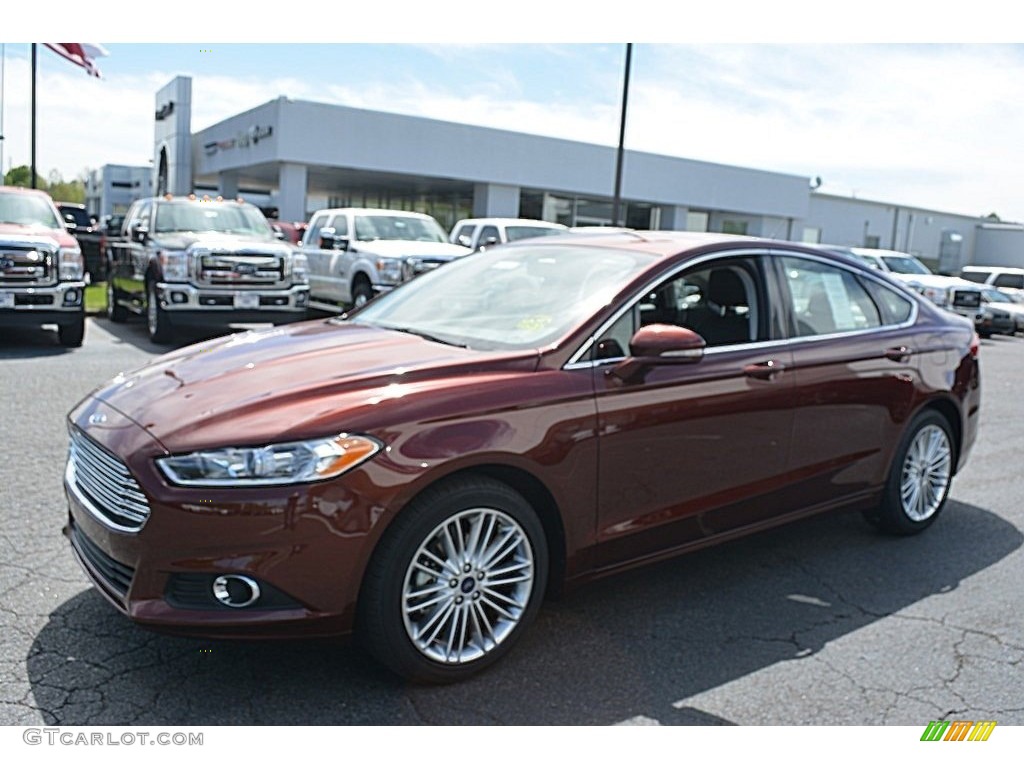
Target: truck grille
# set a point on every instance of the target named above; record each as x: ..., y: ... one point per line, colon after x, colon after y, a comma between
x: 27, y: 265
x: 106, y: 483
x: 241, y: 270
x: 118, y: 576
x: 967, y: 299
x: 417, y: 265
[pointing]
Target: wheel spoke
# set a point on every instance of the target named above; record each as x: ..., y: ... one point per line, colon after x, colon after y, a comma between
x: 511, y: 545
x: 511, y: 580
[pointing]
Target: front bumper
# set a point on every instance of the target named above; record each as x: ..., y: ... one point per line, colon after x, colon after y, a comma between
x: 189, y: 305
x: 60, y: 304
x: 160, y: 575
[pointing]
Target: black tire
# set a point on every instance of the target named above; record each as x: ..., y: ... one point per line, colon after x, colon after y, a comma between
x: 362, y: 291
x: 462, y: 600
x: 71, y: 335
x: 913, y: 499
x: 115, y: 312
x: 157, y: 322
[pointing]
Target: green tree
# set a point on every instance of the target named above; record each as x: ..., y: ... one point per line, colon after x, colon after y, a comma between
x: 21, y: 176
x: 65, y: 191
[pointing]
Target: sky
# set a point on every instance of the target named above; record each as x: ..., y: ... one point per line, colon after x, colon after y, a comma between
x: 884, y: 114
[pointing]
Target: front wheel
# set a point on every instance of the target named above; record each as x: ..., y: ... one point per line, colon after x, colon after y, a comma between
x: 115, y: 312
x: 157, y: 322
x: 920, y: 477
x: 455, y: 581
x: 362, y: 292
x: 71, y: 335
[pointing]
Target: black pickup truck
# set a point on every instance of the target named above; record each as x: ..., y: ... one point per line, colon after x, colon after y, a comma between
x: 188, y: 261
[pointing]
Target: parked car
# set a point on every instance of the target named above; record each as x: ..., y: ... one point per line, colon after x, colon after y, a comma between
x: 1007, y: 279
x: 424, y: 471
x: 1010, y: 310
x: 356, y: 253
x: 90, y: 239
x: 290, y: 231
x: 42, y: 276
x: 187, y: 262
x: 950, y: 293
x: 480, y: 233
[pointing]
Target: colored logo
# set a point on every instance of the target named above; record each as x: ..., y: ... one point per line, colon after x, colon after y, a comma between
x: 958, y: 730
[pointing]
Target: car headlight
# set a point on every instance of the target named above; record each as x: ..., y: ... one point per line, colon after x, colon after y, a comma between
x: 300, y: 267
x: 72, y: 265
x: 390, y: 270
x: 935, y: 295
x: 174, y: 265
x: 281, y: 464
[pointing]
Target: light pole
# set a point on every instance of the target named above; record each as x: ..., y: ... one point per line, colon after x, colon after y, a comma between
x: 617, y: 200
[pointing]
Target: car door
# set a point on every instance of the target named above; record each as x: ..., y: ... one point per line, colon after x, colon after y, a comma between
x: 134, y: 254
x: 338, y: 276
x: 854, y: 363
x: 317, y: 258
x: 695, y: 449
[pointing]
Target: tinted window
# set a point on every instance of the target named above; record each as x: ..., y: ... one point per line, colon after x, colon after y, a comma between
x: 827, y: 299
x: 340, y: 224
x: 523, y: 232
x: 488, y: 233
x: 721, y: 301
x: 313, y: 233
x: 894, y: 309
x: 1009, y: 281
x: 78, y: 215
x: 974, y: 277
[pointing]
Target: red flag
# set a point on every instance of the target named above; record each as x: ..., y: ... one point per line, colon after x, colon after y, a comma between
x: 81, y: 54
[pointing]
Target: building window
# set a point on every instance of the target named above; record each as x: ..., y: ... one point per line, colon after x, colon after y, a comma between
x: 696, y: 221
x: 811, y: 235
x: 872, y: 241
x: 733, y: 227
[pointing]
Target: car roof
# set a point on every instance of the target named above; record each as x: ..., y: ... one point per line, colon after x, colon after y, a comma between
x: 507, y: 221
x: 25, y: 191
x: 374, y: 212
x: 1008, y: 270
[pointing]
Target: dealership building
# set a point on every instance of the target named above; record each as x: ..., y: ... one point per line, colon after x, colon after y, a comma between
x: 298, y: 156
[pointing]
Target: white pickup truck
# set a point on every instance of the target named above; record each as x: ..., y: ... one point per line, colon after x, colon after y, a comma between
x: 356, y: 253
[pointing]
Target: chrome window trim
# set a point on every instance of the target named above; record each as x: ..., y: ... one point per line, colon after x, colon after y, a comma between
x: 576, y: 363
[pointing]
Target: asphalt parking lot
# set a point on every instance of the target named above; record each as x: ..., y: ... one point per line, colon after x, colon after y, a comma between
x: 822, y: 622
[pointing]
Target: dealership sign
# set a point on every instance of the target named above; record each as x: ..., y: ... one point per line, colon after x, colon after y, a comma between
x: 253, y: 135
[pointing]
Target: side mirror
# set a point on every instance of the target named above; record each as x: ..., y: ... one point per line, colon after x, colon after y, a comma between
x: 656, y: 345
x: 277, y: 232
x: 489, y: 241
x: 69, y: 222
x: 140, y: 232
x: 331, y: 241
x: 465, y: 241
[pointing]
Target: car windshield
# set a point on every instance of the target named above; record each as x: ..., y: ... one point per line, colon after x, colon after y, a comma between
x: 28, y: 210
x: 516, y: 297
x: 399, y: 228
x: 906, y: 265
x: 522, y: 232
x: 991, y: 294
x: 198, y: 216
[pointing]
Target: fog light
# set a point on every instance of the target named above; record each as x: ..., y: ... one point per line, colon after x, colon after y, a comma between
x: 235, y: 590
x: 301, y: 299
x: 177, y: 297
x: 72, y: 297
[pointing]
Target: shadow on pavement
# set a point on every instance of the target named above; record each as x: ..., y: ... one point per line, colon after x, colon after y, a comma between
x: 626, y: 648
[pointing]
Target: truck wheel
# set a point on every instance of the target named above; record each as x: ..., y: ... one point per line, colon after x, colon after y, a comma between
x: 72, y: 335
x: 362, y: 291
x: 160, y: 331
x: 115, y: 312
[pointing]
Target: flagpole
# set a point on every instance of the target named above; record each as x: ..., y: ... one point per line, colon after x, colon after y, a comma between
x: 33, y: 131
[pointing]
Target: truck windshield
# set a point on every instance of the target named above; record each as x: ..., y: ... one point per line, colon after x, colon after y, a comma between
x: 196, y: 216
x: 399, y: 228
x: 27, y: 210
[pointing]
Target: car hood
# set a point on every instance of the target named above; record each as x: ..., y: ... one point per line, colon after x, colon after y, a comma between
x: 35, y: 233
x: 217, y: 241
x: 292, y: 382
x: 410, y: 248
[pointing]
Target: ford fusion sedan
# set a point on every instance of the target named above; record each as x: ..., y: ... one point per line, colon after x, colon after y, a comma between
x: 424, y: 470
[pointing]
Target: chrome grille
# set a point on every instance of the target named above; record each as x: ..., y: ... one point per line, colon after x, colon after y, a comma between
x: 27, y: 265
x: 106, y: 484
x: 241, y: 269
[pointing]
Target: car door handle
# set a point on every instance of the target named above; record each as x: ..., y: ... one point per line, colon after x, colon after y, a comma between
x: 898, y: 354
x: 765, y: 371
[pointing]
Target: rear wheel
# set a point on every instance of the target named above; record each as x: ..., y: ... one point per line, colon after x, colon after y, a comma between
x: 455, y: 581
x: 920, y: 477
